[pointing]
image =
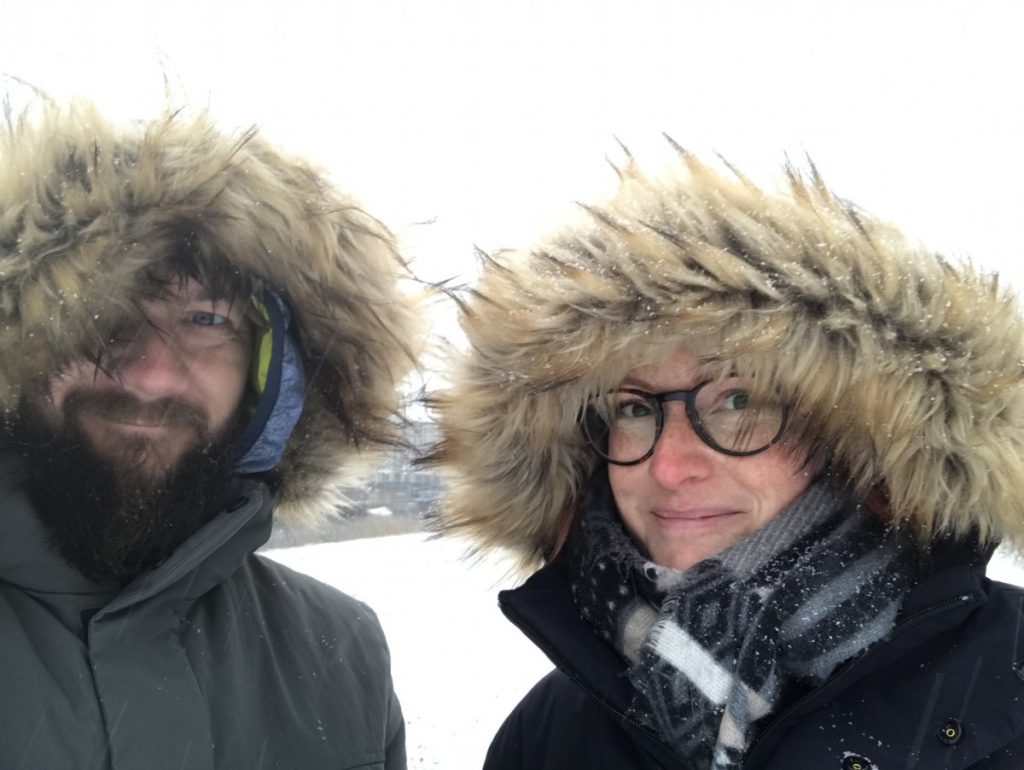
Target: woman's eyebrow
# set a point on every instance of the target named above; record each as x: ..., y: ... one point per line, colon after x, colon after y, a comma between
x: 642, y: 384
x: 636, y: 382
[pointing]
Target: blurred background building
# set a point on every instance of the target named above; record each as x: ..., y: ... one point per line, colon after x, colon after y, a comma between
x: 397, y: 498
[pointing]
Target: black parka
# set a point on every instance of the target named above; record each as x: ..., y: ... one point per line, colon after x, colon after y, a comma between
x: 943, y: 691
x: 901, y: 370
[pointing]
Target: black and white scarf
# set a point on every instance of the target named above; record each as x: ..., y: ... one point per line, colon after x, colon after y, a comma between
x: 716, y: 648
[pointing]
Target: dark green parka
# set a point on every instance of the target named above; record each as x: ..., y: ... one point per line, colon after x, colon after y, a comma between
x: 217, y: 658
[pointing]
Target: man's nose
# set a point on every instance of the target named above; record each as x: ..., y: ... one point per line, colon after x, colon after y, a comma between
x: 680, y: 454
x: 149, y: 363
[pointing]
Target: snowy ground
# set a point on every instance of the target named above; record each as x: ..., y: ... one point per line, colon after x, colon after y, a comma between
x: 459, y: 666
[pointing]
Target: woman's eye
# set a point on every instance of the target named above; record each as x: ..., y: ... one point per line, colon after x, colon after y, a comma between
x: 206, y: 318
x: 633, y: 410
x: 738, y: 399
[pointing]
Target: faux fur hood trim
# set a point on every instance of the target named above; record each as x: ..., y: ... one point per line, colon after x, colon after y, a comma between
x: 87, y: 207
x: 903, y: 368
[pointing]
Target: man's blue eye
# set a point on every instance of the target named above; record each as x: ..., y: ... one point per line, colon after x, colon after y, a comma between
x: 207, y: 318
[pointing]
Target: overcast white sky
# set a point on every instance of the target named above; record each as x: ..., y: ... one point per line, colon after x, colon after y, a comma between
x: 489, y: 117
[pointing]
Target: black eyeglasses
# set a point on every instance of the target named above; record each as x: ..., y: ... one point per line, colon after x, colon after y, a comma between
x: 721, y: 412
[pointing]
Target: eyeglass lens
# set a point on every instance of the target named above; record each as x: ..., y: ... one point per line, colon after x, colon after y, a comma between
x: 722, y: 413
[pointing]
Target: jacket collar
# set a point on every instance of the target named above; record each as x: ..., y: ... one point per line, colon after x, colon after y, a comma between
x: 208, y: 557
x: 543, y: 609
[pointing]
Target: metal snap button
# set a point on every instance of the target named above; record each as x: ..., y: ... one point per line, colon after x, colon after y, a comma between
x: 856, y: 762
x: 951, y: 732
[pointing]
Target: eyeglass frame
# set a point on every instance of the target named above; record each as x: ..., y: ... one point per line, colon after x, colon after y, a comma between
x: 689, y: 399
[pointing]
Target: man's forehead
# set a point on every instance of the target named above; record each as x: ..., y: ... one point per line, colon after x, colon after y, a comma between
x: 180, y: 288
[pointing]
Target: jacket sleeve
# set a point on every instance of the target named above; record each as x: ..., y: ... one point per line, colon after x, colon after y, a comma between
x: 506, y: 750
x: 395, y: 757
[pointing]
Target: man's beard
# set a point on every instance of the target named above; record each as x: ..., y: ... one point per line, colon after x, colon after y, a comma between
x: 112, y: 515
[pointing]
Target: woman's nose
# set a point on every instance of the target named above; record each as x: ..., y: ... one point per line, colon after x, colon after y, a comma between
x: 680, y: 455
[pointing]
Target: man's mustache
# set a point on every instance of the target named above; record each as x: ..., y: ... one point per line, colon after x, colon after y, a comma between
x: 124, y: 407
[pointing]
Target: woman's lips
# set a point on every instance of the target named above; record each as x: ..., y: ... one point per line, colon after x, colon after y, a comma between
x: 693, y: 519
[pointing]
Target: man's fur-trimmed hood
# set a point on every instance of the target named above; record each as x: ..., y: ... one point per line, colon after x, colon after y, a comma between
x: 87, y: 208
x: 903, y: 368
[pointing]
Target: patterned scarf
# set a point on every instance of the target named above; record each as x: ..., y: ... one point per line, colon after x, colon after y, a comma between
x: 731, y: 640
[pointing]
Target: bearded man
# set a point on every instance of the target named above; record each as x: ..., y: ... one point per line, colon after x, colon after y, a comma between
x: 199, y: 333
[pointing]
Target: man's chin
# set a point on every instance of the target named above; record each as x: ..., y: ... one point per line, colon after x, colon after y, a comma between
x: 114, y: 511
x: 138, y: 461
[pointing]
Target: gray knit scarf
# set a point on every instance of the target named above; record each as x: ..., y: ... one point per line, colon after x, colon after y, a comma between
x: 717, y: 648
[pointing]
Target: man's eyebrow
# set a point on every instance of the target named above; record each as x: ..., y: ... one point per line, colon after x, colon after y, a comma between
x: 205, y: 294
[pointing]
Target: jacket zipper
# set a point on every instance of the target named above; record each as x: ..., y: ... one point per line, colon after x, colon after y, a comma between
x: 904, y: 625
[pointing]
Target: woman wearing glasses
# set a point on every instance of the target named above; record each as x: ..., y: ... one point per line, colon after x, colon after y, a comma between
x: 758, y: 451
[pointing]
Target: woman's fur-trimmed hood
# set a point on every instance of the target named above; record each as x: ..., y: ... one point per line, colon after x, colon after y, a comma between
x: 88, y: 208
x: 904, y: 368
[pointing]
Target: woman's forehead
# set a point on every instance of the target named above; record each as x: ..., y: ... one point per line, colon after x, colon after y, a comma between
x: 679, y: 369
